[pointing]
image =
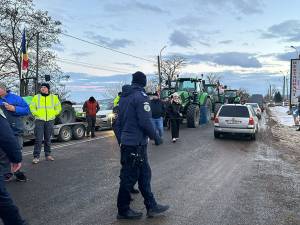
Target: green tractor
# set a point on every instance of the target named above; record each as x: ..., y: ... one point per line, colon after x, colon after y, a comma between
x: 216, y: 97
x: 196, y: 103
x: 232, y: 96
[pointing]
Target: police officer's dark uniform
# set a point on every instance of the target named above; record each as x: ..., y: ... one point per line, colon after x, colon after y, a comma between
x: 133, y: 127
x: 9, y: 147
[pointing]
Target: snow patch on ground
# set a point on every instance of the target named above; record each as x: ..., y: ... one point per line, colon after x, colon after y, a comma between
x: 279, y: 114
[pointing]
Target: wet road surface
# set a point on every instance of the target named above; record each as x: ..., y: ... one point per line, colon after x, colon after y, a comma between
x: 205, y: 180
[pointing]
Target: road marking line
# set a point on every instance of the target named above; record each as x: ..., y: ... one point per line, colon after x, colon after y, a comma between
x: 73, y: 143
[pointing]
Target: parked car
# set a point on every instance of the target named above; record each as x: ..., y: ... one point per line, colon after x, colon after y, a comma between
x: 256, y: 108
x: 236, y: 119
x: 105, y: 115
x: 257, y: 98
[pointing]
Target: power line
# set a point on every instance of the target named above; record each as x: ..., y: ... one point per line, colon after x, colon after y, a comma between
x: 93, y: 65
x: 88, y: 65
x: 111, y: 49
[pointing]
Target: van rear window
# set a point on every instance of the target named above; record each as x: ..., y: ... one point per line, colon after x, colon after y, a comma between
x: 234, y: 111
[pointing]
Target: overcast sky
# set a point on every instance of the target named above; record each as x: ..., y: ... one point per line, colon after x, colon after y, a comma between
x: 247, y: 41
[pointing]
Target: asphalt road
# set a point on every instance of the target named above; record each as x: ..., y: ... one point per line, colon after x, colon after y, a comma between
x: 205, y: 181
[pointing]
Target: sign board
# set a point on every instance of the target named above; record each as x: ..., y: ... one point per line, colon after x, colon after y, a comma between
x: 295, y: 80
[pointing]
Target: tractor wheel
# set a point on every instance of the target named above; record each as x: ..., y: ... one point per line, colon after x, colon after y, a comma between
x: 28, y: 124
x: 78, y: 131
x: 208, y: 105
x: 217, y: 107
x: 193, y: 116
x: 67, y: 114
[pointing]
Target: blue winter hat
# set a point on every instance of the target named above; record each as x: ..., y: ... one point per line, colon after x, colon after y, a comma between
x: 139, y: 78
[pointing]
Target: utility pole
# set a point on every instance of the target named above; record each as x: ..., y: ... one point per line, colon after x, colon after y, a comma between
x: 37, y: 62
x: 159, y: 67
x: 287, y: 87
x: 159, y: 73
x: 283, y: 90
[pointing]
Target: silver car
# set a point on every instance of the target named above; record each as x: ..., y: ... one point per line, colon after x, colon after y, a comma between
x: 105, y: 116
x: 236, y: 119
x: 256, y: 108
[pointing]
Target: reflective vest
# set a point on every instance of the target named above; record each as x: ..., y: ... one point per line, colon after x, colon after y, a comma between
x: 116, y: 101
x: 45, y: 108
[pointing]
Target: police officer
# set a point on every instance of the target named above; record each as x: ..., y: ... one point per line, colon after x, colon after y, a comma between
x: 116, y: 113
x: 133, y: 127
x: 10, y: 148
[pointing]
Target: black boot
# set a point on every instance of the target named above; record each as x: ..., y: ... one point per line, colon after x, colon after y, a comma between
x: 130, y: 215
x: 20, y: 176
x: 157, y: 210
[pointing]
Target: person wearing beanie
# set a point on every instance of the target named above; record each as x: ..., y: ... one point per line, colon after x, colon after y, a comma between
x: 133, y: 128
x: 139, y: 78
x: 44, y: 107
x: 91, y: 107
x: 14, y: 107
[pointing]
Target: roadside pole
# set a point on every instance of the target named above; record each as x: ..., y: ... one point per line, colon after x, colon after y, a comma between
x: 37, y: 63
x: 159, y: 73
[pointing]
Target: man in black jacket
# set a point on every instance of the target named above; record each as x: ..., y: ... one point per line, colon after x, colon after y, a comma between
x: 10, y: 148
x: 158, y: 112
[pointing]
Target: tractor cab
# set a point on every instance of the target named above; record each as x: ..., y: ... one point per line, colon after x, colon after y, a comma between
x: 232, y: 97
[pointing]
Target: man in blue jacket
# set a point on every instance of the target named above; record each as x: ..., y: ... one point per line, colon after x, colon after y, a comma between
x: 14, y: 107
x: 133, y: 128
x: 9, y: 148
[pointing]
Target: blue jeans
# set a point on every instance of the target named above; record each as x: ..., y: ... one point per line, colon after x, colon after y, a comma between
x: 158, y: 124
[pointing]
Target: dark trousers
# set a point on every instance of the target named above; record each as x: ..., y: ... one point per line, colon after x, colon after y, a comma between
x: 43, y: 131
x: 175, y: 123
x: 7, y: 167
x: 131, y: 172
x: 9, y: 213
x: 91, y: 120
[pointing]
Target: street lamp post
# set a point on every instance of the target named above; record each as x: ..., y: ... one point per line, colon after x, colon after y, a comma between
x: 159, y: 67
x: 296, y: 51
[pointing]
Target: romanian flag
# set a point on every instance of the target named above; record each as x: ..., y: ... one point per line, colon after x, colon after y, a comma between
x: 25, y: 59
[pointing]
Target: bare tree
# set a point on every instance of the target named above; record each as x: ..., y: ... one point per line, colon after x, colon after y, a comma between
x: 244, y: 94
x: 170, y: 68
x: 14, y: 16
x: 112, y: 90
x: 152, y: 85
x: 213, y: 78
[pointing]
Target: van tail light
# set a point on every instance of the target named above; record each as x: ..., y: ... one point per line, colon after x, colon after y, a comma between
x: 251, y: 121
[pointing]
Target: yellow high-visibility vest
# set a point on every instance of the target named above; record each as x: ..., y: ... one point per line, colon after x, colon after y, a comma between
x: 45, y: 107
x: 116, y: 101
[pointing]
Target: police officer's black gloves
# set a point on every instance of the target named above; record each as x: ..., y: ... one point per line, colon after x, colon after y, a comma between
x: 158, y: 140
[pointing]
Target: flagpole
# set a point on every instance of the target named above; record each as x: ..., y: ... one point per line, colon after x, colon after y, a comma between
x: 37, y: 63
